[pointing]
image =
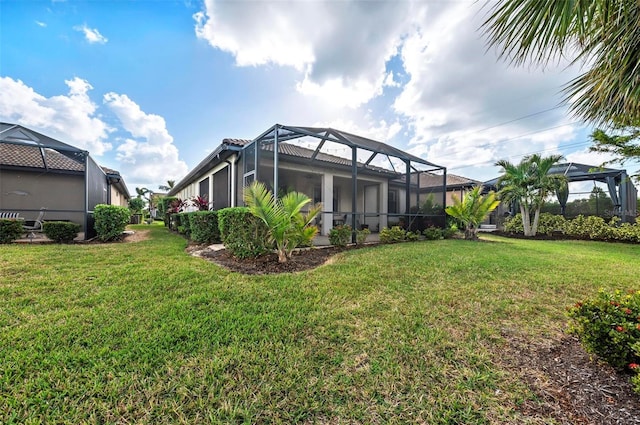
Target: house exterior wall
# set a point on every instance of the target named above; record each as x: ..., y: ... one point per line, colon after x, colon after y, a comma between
x: 26, y: 192
x: 118, y: 198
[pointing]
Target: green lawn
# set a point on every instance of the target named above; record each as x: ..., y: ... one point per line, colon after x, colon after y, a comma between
x: 143, y: 333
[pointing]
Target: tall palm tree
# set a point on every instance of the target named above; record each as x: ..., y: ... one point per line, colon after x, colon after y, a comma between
x: 168, y: 186
x: 604, y: 34
x: 528, y: 184
x: 288, y: 226
x: 472, y: 210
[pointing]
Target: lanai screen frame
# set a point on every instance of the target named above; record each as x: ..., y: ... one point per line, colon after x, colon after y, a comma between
x: 281, y: 133
x: 94, y: 178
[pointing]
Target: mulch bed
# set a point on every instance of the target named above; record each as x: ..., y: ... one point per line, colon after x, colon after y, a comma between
x: 304, y: 259
x: 571, y: 386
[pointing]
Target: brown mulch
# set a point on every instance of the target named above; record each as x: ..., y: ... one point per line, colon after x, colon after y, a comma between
x: 301, y: 260
x: 571, y: 387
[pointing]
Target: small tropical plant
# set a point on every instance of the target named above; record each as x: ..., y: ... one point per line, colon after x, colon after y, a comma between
x: 200, y: 202
x: 288, y: 226
x: 472, y: 210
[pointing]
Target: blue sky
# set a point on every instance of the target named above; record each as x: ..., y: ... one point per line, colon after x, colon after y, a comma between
x: 150, y: 87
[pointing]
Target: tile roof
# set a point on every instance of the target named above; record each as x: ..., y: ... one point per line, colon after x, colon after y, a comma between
x: 35, y: 157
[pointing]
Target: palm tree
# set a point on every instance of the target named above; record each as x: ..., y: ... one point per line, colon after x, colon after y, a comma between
x: 528, y: 184
x: 288, y: 226
x: 168, y: 186
x: 605, y: 35
x: 472, y: 210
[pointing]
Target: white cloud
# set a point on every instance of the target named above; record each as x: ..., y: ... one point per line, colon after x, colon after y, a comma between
x: 92, y: 35
x: 71, y: 119
x: 339, y: 48
x: 41, y: 24
x: 150, y: 157
x: 467, y: 108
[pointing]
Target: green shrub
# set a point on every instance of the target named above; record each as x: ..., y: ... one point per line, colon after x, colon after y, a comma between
x: 392, y: 235
x: 61, y: 231
x: 10, y: 230
x: 184, y: 224
x: 136, y: 205
x: 450, y: 231
x: 361, y: 236
x: 411, y: 236
x: 547, y: 225
x: 174, y: 222
x: 110, y: 221
x: 609, y: 326
x: 243, y: 234
x: 433, y: 233
x: 340, y: 235
x: 204, y: 227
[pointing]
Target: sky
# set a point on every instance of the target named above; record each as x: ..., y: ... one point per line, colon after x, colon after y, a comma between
x: 149, y: 88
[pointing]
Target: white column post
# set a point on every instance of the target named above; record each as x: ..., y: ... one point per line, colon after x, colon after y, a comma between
x: 327, y: 203
x: 384, y: 204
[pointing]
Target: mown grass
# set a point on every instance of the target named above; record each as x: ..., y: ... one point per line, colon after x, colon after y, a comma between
x: 144, y: 333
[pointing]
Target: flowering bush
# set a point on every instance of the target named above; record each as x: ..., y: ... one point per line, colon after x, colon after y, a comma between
x: 609, y: 326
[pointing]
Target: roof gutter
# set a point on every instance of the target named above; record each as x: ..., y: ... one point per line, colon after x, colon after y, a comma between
x: 186, y: 180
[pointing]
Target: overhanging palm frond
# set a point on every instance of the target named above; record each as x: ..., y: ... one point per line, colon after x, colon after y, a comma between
x: 604, y: 32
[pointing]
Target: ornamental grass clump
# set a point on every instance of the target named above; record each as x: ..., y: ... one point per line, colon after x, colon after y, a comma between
x: 608, y: 325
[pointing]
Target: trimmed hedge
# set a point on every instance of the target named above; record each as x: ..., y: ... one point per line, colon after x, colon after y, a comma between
x: 10, y: 230
x: 204, y: 226
x: 184, y: 224
x: 110, y: 221
x: 61, y: 231
x: 590, y: 227
x: 243, y: 234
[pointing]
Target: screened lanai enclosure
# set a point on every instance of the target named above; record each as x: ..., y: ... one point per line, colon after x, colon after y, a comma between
x: 359, y: 181
x: 37, y: 171
x: 620, y: 202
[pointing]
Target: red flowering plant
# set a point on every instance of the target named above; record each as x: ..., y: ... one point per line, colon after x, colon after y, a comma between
x: 608, y: 325
x: 200, y: 202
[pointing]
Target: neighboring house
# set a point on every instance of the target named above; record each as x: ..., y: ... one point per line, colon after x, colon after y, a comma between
x: 38, y: 171
x: 623, y: 193
x: 357, y: 180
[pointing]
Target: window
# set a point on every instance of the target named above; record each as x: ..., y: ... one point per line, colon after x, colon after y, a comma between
x: 204, y: 188
x: 392, y: 207
x: 336, y: 198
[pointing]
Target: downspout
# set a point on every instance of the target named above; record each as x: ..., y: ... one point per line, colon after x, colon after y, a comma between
x: 232, y: 181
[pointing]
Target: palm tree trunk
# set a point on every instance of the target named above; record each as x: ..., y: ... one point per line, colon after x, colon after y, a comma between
x: 536, y: 219
x: 526, y: 220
